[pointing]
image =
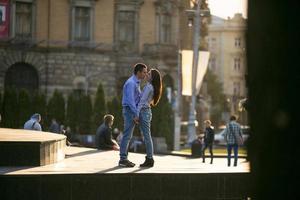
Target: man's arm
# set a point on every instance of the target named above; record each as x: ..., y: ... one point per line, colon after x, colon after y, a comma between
x: 37, y: 127
x: 129, y: 92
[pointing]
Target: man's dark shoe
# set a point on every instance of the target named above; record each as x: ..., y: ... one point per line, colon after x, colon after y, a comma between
x: 126, y: 163
x: 149, y: 162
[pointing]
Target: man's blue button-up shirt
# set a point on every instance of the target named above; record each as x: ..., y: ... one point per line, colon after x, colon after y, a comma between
x: 131, y: 94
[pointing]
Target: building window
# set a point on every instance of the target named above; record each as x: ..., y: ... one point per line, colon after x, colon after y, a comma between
x: 126, y: 32
x: 82, y: 23
x: 22, y: 26
x: 82, y: 18
x: 236, y: 88
x: 237, y: 42
x: 126, y: 24
x: 237, y: 64
x: 165, y: 13
x: 165, y: 29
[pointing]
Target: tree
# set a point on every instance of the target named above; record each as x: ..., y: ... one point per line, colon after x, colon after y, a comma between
x: 79, y: 113
x: 24, y: 107
x: 72, y: 116
x: 39, y: 105
x: 85, y: 113
x: 0, y: 107
x: 218, y: 98
x: 163, y: 120
x: 99, y: 107
x: 1, y: 113
x: 10, y: 109
x: 56, y: 108
x: 114, y: 107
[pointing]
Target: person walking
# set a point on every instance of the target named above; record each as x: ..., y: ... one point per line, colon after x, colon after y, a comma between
x: 34, y: 123
x: 130, y: 100
x: 104, y: 138
x: 150, y: 97
x: 233, y: 137
x: 209, y: 136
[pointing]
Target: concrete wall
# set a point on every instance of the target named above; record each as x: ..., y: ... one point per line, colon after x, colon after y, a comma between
x: 127, y: 186
x: 65, y: 69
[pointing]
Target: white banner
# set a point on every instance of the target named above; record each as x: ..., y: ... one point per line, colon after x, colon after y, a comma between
x: 187, y: 64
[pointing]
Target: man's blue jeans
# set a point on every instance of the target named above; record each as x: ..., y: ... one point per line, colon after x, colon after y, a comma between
x: 129, y: 125
x: 145, y: 125
x: 235, y: 148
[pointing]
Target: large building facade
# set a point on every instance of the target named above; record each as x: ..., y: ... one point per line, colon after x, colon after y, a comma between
x: 76, y: 44
x: 226, y: 43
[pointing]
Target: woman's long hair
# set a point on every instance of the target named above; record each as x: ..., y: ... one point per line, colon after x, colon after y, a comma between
x: 157, y: 85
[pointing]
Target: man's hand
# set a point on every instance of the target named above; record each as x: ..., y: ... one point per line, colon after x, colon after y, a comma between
x: 136, y: 120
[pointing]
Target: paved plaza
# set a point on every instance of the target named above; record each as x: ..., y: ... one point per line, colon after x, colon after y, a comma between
x: 81, y: 160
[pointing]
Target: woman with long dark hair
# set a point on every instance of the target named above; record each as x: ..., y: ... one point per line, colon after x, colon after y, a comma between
x: 150, y: 97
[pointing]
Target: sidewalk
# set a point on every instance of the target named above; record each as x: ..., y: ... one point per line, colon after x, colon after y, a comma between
x: 186, y: 152
x: 89, y: 161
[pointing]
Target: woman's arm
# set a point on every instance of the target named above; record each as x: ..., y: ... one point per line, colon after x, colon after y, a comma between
x: 146, y: 97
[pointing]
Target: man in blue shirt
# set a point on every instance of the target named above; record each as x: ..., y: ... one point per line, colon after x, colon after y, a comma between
x: 34, y: 123
x: 130, y: 100
x: 234, y: 138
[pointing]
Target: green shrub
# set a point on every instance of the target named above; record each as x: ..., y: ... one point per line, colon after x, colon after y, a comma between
x: 114, y: 107
x: 99, y: 108
x: 56, y: 108
x: 24, y: 107
x: 163, y: 120
x: 10, y: 115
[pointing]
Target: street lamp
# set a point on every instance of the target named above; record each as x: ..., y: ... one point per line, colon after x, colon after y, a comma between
x: 194, y: 16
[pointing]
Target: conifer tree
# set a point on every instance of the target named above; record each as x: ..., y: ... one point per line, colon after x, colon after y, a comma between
x: 218, y: 98
x: 39, y: 105
x: 56, y: 108
x: 99, y: 107
x: 1, y: 109
x: 163, y: 120
x: 1, y: 102
x: 85, y: 113
x: 72, y: 116
x: 10, y: 109
x: 114, y: 107
x: 24, y: 107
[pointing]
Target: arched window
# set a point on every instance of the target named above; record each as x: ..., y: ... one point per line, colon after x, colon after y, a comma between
x: 22, y: 75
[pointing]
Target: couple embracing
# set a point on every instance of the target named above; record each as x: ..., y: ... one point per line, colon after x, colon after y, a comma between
x: 137, y: 110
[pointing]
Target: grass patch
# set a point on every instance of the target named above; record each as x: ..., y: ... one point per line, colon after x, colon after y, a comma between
x: 217, y: 151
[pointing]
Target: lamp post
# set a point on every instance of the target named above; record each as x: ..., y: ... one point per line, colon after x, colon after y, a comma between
x: 195, y: 16
x: 177, y: 116
x: 192, y: 113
